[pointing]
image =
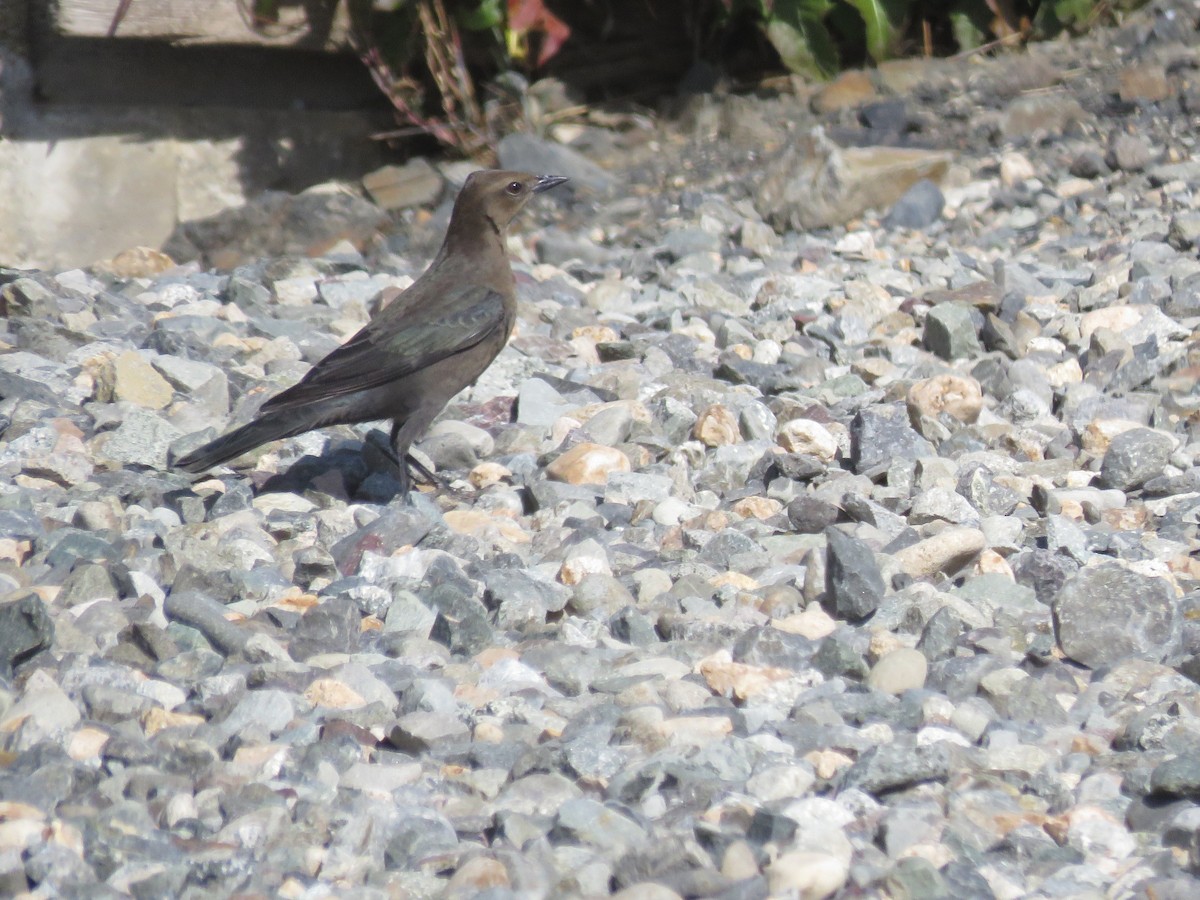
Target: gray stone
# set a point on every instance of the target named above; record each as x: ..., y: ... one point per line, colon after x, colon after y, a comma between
x: 919, y: 207
x: 1107, y: 613
x: 539, y: 405
x: 1178, y: 777
x: 1128, y: 152
x: 525, y: 152
x: 416, y: 183
x: 142, y: 439
x: 893, y: 766
x: 1134, y: 457
x: 331, y: 627
x: 881, y: 434
x: 853, y: 583
x: 26, y: 629
x: 1185, y: 231
x: 810, y: 514
x: 950, y: 332
x: 599, y: 595
x: 593, y: 824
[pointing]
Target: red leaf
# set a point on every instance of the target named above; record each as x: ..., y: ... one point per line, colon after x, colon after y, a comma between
x: 532, y: 16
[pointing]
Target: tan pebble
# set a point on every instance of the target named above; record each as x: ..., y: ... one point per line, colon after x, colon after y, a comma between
x: 807, y: 875
x: 157, y: 718
x: 728, y: 678
x: 778, y: 600
x: 488, y: 473
x: 872, y: 368
x: 476, y: 875
x: 1132, y: 518
x: 17, y: 834
x: 1099, y: 433
x: 757, y: 507
x: 695, y: 730
x: 882, y: 643
x: 827, y: 763
x: 562, y: 428
x: 1014, y: 169
x: 130, y: 377
x: 850, y: 89
x: 1147, y: 82
x: 574, y: 570
x: 15, y: 551
x: 901, y: 670
x: 717, y: 426
x: 492, y: 655
x: 809, y: 437
x: 259, y: 759
x: 334, y: 694
x: 1064, y: 373
x: 681, y: 696
x: 1115, y: 318
x: 588, y: 464
x: 597, y: 334
x: 992, y: 563
x: 710, y: 521
x: 488, y: 733
x: 485, y: 526
x: 646, y: 890
x: 738, y: 861
x: 85, y: 744
x: 1071, y: 508
x: 814, y: 623
x: 138, y: 262
x: 742, y: 351
x: 948, y: 551
x: 959, y: 396
x: 11, y: 810
x: 736, y: 579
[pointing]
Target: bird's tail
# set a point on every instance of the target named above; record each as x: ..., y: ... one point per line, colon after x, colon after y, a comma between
x: 235, y: 443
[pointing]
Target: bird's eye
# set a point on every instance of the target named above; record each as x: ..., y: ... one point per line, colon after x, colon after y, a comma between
x: 515, y: 187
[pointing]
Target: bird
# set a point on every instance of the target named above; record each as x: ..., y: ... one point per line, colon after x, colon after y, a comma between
x: 434, y: 339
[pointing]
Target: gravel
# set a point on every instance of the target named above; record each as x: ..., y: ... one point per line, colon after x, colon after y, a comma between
x: 859, y: 561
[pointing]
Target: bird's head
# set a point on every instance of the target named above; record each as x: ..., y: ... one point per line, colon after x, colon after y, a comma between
x: 499, y: 195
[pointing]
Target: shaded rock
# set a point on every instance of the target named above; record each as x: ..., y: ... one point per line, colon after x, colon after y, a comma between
x: 25, y: 630
x: 416, y: 183
x: 919, y: 207
x: 853, y: 583
x: 277, y: 224
x: 814, y: 183
x: 881, y: 434
x: 525, y: 152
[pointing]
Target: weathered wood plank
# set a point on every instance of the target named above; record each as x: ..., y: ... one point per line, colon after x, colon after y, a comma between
x: 204, y: 22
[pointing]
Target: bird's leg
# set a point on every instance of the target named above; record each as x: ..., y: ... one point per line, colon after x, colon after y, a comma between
x: 417, y: 467
x: 401, y: 462
x: 408, y: 465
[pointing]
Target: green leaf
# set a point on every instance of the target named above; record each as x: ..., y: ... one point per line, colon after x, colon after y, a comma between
x: 882, y: 22
x: 796, y: 28
x: 969, y: 25
x: 487, y: 15
x: 1061, y: 15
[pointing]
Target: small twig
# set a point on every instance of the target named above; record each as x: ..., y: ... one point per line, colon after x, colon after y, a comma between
x: 118, y: 17
x: 443, y: 56
x: 259, y: 25
x: 1014, y: 37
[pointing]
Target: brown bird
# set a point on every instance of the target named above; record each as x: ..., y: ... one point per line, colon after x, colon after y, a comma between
x: 428, y: 344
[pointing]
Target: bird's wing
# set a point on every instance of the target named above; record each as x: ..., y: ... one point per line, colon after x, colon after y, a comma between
x: 386, y: 350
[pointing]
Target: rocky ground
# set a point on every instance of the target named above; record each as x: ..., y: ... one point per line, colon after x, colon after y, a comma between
x: 798, y: 546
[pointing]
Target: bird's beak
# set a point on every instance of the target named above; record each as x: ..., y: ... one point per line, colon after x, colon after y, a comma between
x: 545, y: 182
